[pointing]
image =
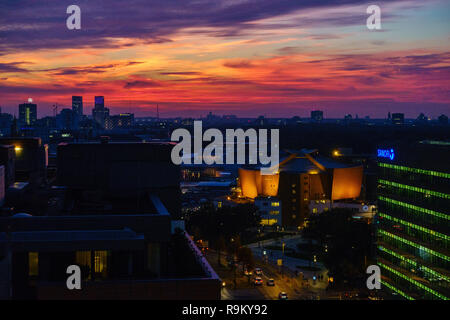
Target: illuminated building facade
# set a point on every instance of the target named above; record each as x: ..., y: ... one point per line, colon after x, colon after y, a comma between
x: 303, y: 176
x: 27, y: 113
x: 270, y: 210
x: 413, y: 219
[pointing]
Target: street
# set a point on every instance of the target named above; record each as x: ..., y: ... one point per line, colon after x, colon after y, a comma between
x: 285, y: 281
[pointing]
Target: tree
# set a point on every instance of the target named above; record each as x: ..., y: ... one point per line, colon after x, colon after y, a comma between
x: 210, y: 223
x: 220, y: 248
x: 347, y: 240
x: 245, y: 255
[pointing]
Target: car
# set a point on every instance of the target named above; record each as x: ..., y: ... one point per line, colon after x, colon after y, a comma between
x: 258, y: 281
x: 258, y: 271
x: 270, y: 282
x: 248, y: 272
x: 282, y: 295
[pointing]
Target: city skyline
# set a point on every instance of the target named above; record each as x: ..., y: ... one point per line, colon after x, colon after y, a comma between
x: 231, y: 57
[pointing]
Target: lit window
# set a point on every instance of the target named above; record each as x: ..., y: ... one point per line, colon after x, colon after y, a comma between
x: 275, y: 204
x: 101, y: 262
x: 33, y: 264
x: 83, y: 259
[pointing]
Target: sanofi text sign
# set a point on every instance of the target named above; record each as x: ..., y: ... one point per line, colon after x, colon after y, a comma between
x: 386, y: 153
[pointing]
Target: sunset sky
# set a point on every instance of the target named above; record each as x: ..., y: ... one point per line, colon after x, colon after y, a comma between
x: 245, y: 57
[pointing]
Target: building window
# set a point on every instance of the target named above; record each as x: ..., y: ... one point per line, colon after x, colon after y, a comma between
x: 83, y: 259
x: 33, y: 264
x: 101, y: 262
x: 275, y: 204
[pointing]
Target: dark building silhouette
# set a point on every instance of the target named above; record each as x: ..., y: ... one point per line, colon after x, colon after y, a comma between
x: 100, y: 114
x: 66, y: 119
x: 398, y: 118
x: 120, y: 121
x: 118, y: 220
x: 443, y: 119
x: 31, y: 158
x: 317, y: 115
x: 77, y: 105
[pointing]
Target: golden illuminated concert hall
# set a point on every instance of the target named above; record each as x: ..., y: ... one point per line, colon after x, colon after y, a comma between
x: 304, y: 182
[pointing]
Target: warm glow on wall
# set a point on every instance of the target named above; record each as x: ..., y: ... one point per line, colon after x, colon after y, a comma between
x: 346, y: 183
x: 254, y: 184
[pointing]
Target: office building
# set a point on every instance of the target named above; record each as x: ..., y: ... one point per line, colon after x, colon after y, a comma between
x: 120, y: 121
x: 27, y: 113
x: 100, y: 114
x: 30, y: 160
x: 77, y: 106
x: 119, y: 222
x: 66, y: 119
x: 412, y: 222
x: 269, y: 208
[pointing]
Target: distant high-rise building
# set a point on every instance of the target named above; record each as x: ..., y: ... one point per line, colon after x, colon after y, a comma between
x: 27, y: 113
x: 317, y: 115
x: 99, y: 102
x: 77, y: 105
x: 398, y: 118
x: 120, y: 121
x: 100, y: 113
x: 66, y: 119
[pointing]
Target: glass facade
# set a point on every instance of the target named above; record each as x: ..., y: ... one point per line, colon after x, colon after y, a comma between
x: 413, y: 230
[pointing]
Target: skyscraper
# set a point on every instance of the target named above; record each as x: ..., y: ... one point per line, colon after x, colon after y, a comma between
x: 77, y: 105
x: 27, y: 113
x: 99, y: 102
x: 413, y: 219
x: 100, y: 113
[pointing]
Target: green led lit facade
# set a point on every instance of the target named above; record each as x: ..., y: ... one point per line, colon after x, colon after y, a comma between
x: 415, y: 170
x: 413, y: 222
